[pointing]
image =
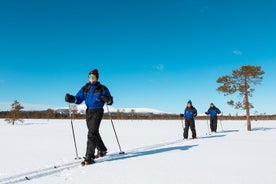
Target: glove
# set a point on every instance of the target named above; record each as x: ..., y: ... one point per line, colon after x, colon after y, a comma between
x: 206, y: 113
x: 107, y: 99
x: 69, y: 98
x: 181, y: 115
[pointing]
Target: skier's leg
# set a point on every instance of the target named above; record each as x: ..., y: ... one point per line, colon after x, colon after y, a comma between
x: 90, y: 148
x: 192, y: 125
x: 215, y: 124
x: 211, y: 124
x: 94, y: 139
x: 186, y: 129
x: 99, y: 142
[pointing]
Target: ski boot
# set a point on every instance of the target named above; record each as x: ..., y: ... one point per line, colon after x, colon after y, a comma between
x: 101, y: 154
x: 87, y: 161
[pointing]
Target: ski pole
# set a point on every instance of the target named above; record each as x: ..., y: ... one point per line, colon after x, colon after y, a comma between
x: 73, y: 132
x: 182, y: 123
x: 221, y: 123
x: 208, y: 126
x: 121, y: 152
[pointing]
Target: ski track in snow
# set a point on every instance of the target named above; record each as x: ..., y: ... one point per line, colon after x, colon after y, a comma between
x: 67, y: 166
x: 136, y: 152
x: 39, y: 173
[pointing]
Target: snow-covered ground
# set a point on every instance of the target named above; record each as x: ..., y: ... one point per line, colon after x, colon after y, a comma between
x: 43, y: 152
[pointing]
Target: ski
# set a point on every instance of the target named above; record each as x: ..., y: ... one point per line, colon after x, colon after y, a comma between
x: 39, y: 173
x: 190, y: 139
x: 108, y: 157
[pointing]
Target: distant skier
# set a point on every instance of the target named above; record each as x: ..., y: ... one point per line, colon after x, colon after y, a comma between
x: 189, y: 113
x: 95, y: 96
x: 213, y: 111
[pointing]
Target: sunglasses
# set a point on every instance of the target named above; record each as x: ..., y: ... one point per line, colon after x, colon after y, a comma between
x: 91, y: 76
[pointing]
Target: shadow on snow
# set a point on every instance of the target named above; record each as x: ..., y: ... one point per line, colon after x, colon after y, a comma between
x: 129, y: 155
x: 263, y: 129
x: 229, y: 131
x: 212, y: 136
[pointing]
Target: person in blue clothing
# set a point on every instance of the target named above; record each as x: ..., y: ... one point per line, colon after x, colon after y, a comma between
x: 95, y: 96
x: 213, y: 111
x: 190, y: 113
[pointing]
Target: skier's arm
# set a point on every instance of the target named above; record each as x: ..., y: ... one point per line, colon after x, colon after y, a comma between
x: 79, y: 97
x: 195, y: 112
x: 106, y: 97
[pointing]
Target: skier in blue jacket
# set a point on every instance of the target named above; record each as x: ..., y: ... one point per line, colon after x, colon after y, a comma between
x: 190, y: 113
x: 95, y: 96
x: 213, y: 111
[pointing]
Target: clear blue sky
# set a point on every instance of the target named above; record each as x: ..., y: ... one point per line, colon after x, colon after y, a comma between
x: 150, y: 53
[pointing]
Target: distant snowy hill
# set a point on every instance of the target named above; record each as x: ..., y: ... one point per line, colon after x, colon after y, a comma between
x: 82, y: 108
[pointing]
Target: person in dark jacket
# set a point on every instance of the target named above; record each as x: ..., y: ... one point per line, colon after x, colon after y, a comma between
x: 189, y: 114
x: 95, y: 96
x: 213, y: 111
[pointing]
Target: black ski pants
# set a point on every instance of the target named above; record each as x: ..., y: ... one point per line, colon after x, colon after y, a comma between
x: 189, y: 123
x: 94, y: 140
x: 213, y: 123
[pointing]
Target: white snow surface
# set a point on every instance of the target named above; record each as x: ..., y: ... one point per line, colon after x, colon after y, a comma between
x: 154, y: 153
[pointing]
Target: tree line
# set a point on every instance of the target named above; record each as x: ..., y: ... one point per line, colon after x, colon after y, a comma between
x: 13, y: 116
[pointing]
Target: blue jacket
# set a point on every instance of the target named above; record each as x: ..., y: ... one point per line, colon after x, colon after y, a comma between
x: 91, y: 94
x: 213, y: 111
x: 190, y: 112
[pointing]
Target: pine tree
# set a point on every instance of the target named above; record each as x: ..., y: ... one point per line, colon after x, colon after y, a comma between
x: 14, y: 114
x: 49, y: 113
x: 242, y: 81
